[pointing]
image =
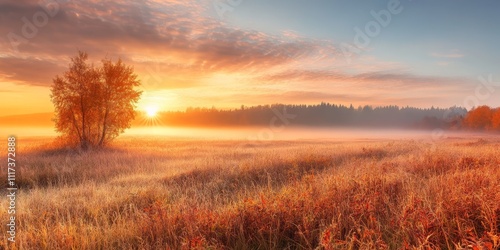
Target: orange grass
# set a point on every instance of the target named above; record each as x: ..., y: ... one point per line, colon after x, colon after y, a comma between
x: 154, y: 194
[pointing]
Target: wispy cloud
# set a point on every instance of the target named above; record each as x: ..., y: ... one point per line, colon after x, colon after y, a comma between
x: 443, y: 63
x: 31, y: 71
x: 448, y: 55
x: 377, y: 79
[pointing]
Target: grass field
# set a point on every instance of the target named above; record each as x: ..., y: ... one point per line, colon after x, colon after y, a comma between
x: 188, y: 194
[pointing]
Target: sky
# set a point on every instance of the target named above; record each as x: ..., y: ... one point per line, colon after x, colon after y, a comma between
x: 228, y: 53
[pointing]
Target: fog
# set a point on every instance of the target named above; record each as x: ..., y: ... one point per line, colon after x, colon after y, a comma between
x: 295, y: 133
x: 263, y: 133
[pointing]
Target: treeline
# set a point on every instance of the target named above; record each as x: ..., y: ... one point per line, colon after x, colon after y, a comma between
x: 324, y: 114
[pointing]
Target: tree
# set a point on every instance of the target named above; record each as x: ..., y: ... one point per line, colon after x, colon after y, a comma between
x: 495, y: 120
x: 479, y: 118
x: 93, y: 105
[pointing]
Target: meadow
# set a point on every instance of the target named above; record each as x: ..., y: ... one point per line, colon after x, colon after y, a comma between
x: 146, y: 193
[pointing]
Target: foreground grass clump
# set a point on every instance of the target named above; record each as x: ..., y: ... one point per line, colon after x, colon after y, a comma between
x: 144, y: 194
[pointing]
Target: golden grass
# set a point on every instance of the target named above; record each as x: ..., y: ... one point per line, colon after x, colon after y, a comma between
x: 153, y: 194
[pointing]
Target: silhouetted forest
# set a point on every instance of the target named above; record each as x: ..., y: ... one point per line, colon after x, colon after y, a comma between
x: 324, y: 114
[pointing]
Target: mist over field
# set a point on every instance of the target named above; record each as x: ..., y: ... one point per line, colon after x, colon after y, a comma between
x: 298, y: 133
x: 256, y: 134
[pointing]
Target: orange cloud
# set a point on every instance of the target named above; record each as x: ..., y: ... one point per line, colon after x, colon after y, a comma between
x: 194, y: 43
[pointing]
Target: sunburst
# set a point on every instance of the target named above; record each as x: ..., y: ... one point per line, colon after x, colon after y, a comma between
x: 151, y: 111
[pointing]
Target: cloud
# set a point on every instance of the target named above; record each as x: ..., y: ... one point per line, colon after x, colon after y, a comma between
x: 405, y: 80
x: 313, y: 96
x: 305, y: 75
x: 443, y: 63
x: 448, y: 55
x: 30, y: 70
x: 177, y: 31
x: 369, y: 80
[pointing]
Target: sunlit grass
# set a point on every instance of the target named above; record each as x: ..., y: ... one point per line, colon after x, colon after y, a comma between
x: 157, y: 194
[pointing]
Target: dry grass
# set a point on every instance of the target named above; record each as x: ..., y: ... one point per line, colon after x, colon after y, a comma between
x: 146, y: 194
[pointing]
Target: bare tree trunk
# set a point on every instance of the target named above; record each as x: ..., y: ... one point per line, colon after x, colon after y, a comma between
x: 83, y: 141
x: 106, y: 113
x: 75, y: 124
x: 104, y: 126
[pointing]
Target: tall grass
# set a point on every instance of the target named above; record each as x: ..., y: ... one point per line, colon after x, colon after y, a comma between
x: 153, y: 194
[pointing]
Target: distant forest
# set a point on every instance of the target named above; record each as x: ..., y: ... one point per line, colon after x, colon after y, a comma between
x: 324, y: 114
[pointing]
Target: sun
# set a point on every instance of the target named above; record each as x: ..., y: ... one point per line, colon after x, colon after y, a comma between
x: 151, y: 115
x: 151, y: 111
